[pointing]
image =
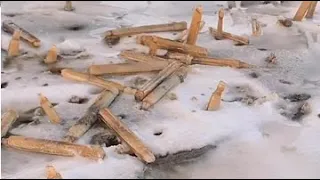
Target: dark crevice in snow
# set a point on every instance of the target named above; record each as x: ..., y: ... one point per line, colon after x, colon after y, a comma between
x: 158, y: 133
x: 183, y: 156
x: 285, y: 82
x: 165, y: 164
x: 297, y: 97
x: 4, y: 85
x: 75, y: 27
x: 105, y: 139
x: 12, y: 14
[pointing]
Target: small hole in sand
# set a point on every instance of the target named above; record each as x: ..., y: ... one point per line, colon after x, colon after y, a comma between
x: 157, y: 133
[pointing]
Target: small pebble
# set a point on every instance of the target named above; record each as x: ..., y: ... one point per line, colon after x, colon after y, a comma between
x: 17, y: 78
x: 254, y: 75
x: 286, y: 22
x: 284, y: 81
x: 122, y: 116
x: 139, y: 81
x: 112, y: 40
x: 194, y: 98
x: 248, y: 100
x: 303, y: 110
x: 45, y: 84
x: 271, y: 59
x: 36, y: 120
x: 105, y: 138
x: 78, y: 100
x: 55, y: 70
x: 172, y: 96
x: 39, y: 112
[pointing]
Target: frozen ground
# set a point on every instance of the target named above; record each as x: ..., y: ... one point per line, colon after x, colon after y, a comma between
x: 253, y: 141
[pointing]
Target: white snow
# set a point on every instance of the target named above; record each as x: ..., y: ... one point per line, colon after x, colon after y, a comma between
x: 253, y: 141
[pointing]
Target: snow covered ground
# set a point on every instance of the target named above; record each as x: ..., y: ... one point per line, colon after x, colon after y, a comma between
x: 258, y: 140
